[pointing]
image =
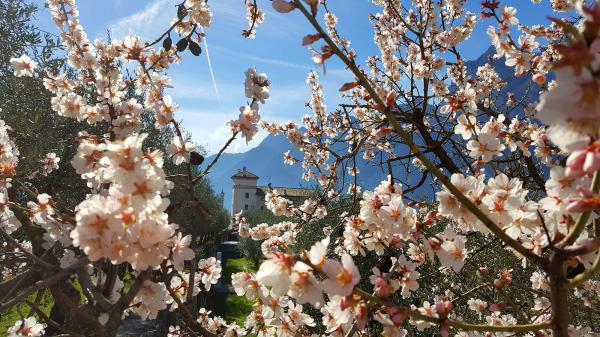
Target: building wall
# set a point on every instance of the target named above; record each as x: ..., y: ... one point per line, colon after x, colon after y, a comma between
x: 243, y: 187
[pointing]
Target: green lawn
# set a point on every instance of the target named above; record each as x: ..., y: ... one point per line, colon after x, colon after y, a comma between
x: 234, y: 308
x: 237, y: 309
x: 8, y: 318
x: 233, y: 266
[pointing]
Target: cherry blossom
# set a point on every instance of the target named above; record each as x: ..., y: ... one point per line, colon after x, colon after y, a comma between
x: 50, y: 163
x: 199, y: 12
x: 28, y: 327
x: 341, y: 277
x: 23, y: 66
x: 179, y: 152
x: 211, y: 271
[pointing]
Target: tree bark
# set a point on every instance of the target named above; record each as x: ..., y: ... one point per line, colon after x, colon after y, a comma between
x: 559, y: 296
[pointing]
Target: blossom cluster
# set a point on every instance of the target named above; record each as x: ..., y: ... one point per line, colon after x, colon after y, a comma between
x: 9, y: 158
x: 129, y: 222
x: 542, y: 201
x: 257, y: 89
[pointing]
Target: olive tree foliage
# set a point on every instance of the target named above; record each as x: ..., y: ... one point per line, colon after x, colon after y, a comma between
x: 516, y: 182
x: 17, y: 33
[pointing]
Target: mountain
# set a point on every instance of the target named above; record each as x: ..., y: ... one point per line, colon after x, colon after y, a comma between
x: 516, y: 85
x: 266, y: 160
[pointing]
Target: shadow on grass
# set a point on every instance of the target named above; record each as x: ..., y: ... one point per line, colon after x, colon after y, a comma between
x: 228, y: 305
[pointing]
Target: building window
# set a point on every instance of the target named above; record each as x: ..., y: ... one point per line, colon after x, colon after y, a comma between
x: 246, y: 207
x: 247, y: 195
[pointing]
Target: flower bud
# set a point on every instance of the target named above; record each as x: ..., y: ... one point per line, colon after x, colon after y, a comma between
x: 310, y: 39
x: 283, y: 6
x: 583, y: 161
x: 539, y: 79
x: 496, y: 307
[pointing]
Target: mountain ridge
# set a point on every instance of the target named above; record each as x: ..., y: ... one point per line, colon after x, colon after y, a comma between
x: 266, y: 159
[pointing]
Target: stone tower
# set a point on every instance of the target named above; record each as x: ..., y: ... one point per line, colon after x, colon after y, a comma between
x: 222, y: 198
x: 244, y: 196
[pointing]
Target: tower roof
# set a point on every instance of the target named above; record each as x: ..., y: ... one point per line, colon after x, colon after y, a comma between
x: 244, y: 174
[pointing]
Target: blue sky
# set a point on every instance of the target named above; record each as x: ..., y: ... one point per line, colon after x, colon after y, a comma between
x: 276, y: 50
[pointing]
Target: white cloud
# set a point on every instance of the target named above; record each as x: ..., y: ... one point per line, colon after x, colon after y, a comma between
x: 153, y: 19
x: 156, y: 17
x: 210, y: 130
x: 206, y: 120
x: 204, y: 114
x: 148, y: 23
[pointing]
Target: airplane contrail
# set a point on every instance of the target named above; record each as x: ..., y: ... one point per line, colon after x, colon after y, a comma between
x: 212, y: 74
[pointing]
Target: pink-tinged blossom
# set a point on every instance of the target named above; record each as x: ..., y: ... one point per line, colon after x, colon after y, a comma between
x: 130, y: 223
x: 199, y: 12
x: 584, y: 161
x: 383, y: 285
x: 152, y: 298
x: 318, y: 253
x: 181, y: 250
x: 256, y: 85
x: 466, y: 126
x: 393, y: 321
x: 274, y: 306
x: 539, y: 281
x: 28, y: 327
x: 571, y: 109
x: 485, y: 147
x: 477, y: 305
x: 180, y: 151
x: 246, y: 123
x: 275, y: 272
x: 587, y: 201
x: 304, y: 286
x: 23, y: 66
x: 245, y: 284
x: 8, y: 221
x: 407, y: 275
x: 180, y: 286
x: 49, y: 163
x: 449, y: 206
x: 452, y: 253
x: 341, y: 277
x: 210, y: 271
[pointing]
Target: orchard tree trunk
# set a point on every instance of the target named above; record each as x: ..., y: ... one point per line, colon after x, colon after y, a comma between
x: 559, y: 295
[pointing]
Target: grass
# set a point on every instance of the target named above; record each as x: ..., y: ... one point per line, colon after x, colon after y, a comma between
x: 237, y: 309
x: 234, y: 308
x: 22, y: 310
x: 233, y: 266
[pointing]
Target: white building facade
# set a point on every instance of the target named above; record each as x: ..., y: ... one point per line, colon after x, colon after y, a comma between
x: 247, y: 196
